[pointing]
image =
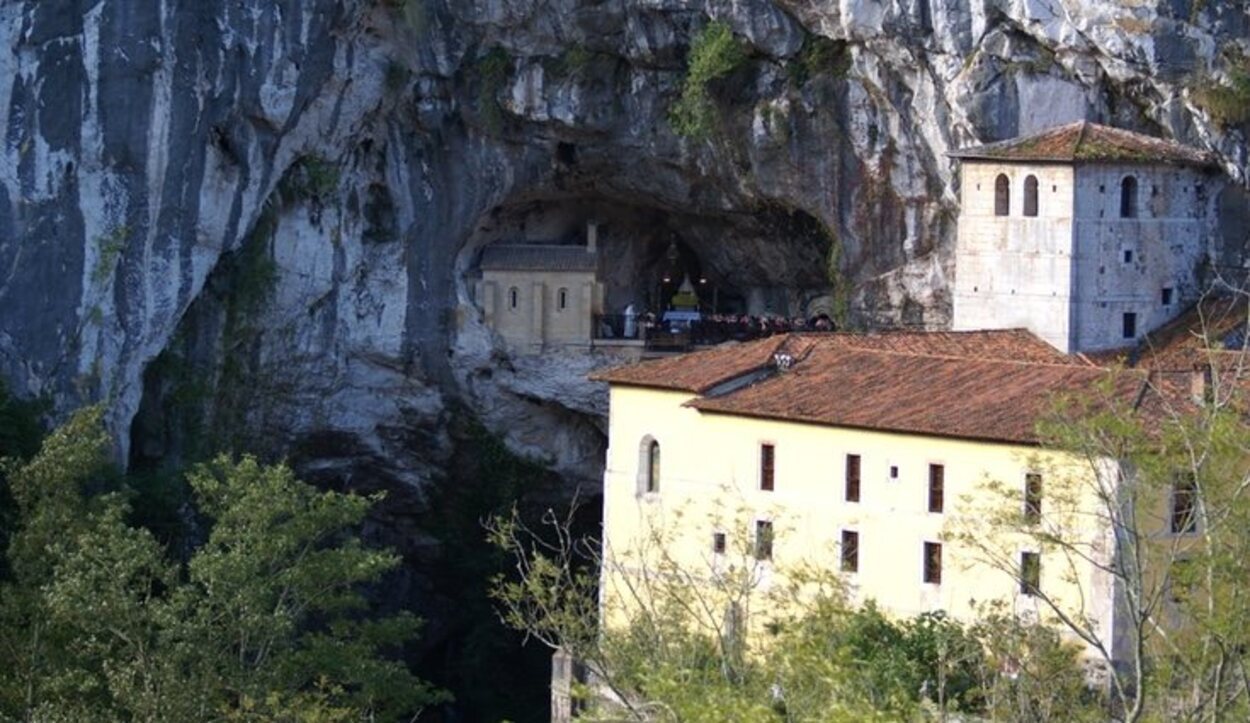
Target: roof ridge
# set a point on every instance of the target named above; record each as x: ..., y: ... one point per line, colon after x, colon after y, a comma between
x: 976, y: 358
x: 1080, y: 138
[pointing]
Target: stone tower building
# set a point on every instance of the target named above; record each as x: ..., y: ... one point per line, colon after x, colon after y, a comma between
x: 1089, y: 236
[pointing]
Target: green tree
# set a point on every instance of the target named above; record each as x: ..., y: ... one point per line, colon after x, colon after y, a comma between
x: 1157, y: 500
x: 666, y: 641
x: 265, y: 622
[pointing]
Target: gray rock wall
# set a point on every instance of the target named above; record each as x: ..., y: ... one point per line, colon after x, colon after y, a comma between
x: 145, y: 140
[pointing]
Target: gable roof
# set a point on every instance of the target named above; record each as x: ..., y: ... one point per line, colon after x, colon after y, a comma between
x: 982, y: 385
x: 1085, y: 142
x: 538, y: 257
x: 697, y: 371
x: 703, y: 370
x: 970, y: 398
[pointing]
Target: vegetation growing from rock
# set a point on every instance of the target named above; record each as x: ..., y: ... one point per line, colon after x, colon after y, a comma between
x: 714, y: 53
x: 820, y: 57
x: 1227, y: 104
x: 264, y: 621
x: 492, y: 72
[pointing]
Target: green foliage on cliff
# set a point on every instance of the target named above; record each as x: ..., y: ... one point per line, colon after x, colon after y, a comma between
x: 1228, y: 105
x: 265, y: 621
x: 715, y: 53
x: 492, y: 73
x: 820, y: 57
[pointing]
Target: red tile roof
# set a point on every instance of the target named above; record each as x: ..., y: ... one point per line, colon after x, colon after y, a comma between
x: 984, y: 385
x: 700, y: 371
x: 1085, y: 142
x: 974, y: 398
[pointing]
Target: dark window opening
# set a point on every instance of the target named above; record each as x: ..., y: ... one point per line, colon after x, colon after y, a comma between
x: 893, y: 471
x: 1166, y: 296
x: 514, y: 297
x: 933, y: 563
x: 1030, y: 196
x: 653, y: 466
x: 718, y: 543
x: 937, y: 483
x: 852, y: 478
x: 768, y: 459
x: 763, y: 540
x: 1002, y: 196
x: 562, y: 299
x: 1128, y: 197
x: 1032, y: 498
x: 1184, y: 505
x: 850, y: 551
x: 1130, y: 325
x: 1030, y: 573
x: 1128, y: 256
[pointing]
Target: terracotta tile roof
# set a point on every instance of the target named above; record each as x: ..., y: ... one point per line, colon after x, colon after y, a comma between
x: 1083, y: 142
x: 1018, y: 345
x: 697, y: 371
x: 537, y: 257
x: 702, y: 370
x: 974, y: 398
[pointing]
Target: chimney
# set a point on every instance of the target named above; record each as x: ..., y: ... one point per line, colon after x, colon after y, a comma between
x: 1200, y: 387
x: 592, y: 236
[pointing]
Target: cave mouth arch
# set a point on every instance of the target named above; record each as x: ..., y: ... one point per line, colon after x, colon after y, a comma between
x: 758, y: 261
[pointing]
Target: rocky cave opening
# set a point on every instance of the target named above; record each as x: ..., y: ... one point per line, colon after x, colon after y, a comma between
x: 769, y: 260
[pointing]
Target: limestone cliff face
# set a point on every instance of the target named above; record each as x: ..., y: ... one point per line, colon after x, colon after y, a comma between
x: 287, y: 196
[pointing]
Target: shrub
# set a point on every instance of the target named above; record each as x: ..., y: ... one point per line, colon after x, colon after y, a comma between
x: 715, y: 53
x: 1228, y: 105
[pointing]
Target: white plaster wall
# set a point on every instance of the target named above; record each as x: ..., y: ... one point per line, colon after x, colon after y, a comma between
x: 1014, y: 271
x: 1168, y: 241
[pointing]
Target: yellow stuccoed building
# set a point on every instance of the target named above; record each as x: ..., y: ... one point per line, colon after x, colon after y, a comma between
x: 878, y: 457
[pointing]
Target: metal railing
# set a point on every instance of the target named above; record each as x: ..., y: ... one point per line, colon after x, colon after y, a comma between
x: 678, y: 336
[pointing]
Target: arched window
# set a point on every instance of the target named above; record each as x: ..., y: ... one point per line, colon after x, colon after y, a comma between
x: 1030, y: 196
x: 648, y: 465
x: 1128, y: 197
x: 514, y: 298
x: 1002, y: 196
x: 562, y: 299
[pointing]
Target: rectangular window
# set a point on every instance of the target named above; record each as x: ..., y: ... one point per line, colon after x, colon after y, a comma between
x: 718, y: 543
x: 894, y: 473
x: 768, y: 458
x: 850, y: 551
x: 1166, y: 295
x: 1130, y: 325
x: 1184, y: 505
x: 763, y: 540
x: 937, y: 484
x: 852, y: 478
x: 1030, y: 573
x: 933, y: 563
x: 1128, y: 256
x: 1032, y: 498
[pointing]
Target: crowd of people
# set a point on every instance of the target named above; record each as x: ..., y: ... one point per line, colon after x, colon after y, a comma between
x: 708, y: 329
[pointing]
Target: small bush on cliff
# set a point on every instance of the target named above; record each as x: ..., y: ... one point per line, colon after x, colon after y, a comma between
x: 492, y: 71
x: 264, y: 622
x: 1228, y: 105
x: 715, y: 53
